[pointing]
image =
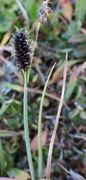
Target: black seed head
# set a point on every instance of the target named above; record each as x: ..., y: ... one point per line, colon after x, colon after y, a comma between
x: 22, y: 49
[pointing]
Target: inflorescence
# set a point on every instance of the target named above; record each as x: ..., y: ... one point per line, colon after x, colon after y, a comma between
x: 22, y: 49
x: 44, y: 11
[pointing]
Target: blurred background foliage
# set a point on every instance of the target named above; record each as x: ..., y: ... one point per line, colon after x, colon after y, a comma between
x: 65, y: 30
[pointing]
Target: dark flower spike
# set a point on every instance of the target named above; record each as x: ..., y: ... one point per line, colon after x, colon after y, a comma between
x: 22, y: 49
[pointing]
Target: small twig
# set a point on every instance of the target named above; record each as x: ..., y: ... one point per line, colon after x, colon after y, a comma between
x: 6, y: 48
x: 42, y: 77
x: 25, y: 15
x: 48, y: 168
x: 11, y: 66
x: 71, y: 172
x: 62, y: 167
x: 19, y: 88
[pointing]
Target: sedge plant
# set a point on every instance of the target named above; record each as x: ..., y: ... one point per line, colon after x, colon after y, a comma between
x: 24, y: 60
x: 23, y: 57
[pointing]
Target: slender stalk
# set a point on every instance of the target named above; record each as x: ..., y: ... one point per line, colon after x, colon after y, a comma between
x: 40, y: 158
x: 26, y: 129
x: 23, y: 11
x: 49, y: 160
x: 35, y: 43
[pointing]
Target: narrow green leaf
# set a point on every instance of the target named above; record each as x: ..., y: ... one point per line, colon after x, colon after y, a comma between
x: 6, y: 133
x: 80, y: 8
x: 70, y: 88
x: 18, y: 174
x: 13, y: 87
x: 2, y: 160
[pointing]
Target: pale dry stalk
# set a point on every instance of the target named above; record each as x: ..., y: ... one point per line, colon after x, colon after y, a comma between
x: 49, y: 160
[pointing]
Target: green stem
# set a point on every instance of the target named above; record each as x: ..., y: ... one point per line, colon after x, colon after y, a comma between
x: 40, y: 158
x: 35, y: 44
x: 26, y: 129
